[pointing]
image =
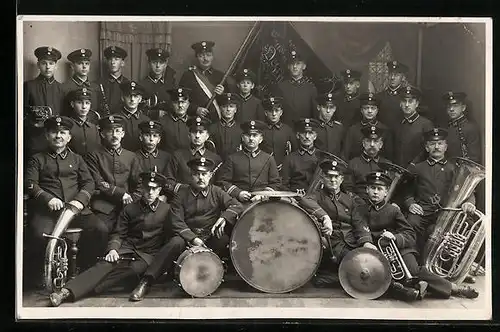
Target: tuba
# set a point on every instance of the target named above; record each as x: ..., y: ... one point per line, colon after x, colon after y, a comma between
x: 457, y: 237
x: 56, y: 259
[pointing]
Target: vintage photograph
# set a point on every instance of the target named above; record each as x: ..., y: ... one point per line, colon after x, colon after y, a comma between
x: 207, y: 168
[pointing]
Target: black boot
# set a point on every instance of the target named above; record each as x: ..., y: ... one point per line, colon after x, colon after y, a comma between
x: 421, y: 287
x: 58, y: 297
x: 403, y: 293
x: 141, y: 290
x: 466, y: 291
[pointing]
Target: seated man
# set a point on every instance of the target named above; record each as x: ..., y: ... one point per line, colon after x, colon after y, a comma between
x: 387, y: 221
x: 139, y: 233
x: 199, y: 216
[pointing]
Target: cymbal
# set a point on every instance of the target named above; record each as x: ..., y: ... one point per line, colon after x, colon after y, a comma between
x: 365, y: 274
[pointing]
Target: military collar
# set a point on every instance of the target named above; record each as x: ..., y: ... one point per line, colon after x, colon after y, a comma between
x: 209, y: 71
x: 299, y: 81
x: 377, y: 206
x: 433, y: 162
x: 351, y: 97
x: 153, y: 206
x: 373, y: 122
x: 78, y: 81
x: 156, y: 80
x: 393, y: 91
x: 176, y: 118
x: 303, y: 151
x: 204, y: 192
x: 113, y: 78
x: 146, y: 154
x: 332, y: 196
x: 201, y: 151
x: 81, y: 122
x: 252, y: 154
x: 229, y: 124
x: 458, y: 121
x: 45, y: 79
x: 129, y: 114
x: 412, y: 118
x: 63, y: 154
x: 276, y: 125
x: 246, y: 98
x: 367, y: 158
x: 112, y: 151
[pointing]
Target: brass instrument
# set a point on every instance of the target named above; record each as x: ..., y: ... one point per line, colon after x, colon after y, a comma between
x: 315, y: 183
x: 149, y: 102
x: 39, y: 114
x: 457, y: 237
x: 398, y: 174
x: 56, y: 260
x: 105, y: 104
x: 398, y: 268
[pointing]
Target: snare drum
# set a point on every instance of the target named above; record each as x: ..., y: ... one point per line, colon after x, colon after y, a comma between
x: 276, y: 246
x: 199, y: 271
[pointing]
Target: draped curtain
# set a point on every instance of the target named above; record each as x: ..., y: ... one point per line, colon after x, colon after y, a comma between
x: 136, y: 38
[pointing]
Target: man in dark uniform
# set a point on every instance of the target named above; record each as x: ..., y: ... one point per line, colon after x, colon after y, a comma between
x: 348, y: 99
x: 330, y: 132
x: 298, y: 92
x: 177, y: 171
x: 45, y: 90
x: 390, y: 113
x: 226, y: 134
x: 200, y: 215
x: 112, y: 168
x: 387, y: 221
x: 160, y: 79
x: 251, y: 106
x: 132, y: 94
x: 203, y: 80
x: 140, y: 232
x: 80, y: 64
x: 54, y: 178
x: 279, y: 138
x: 434, y: 177
x: 370, y: 106
x: 115, y: 61
x: 175, y: 130
x: 249, y: 169
x: 34, y: 131
x: 410, y: 134
x: 85, y: 134
x: 464, y: 139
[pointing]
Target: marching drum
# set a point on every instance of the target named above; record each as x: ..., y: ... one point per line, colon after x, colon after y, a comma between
x: 199, y: 271
x: 276, y: 246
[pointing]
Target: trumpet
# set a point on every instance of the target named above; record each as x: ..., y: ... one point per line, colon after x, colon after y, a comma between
x: 399, y: 270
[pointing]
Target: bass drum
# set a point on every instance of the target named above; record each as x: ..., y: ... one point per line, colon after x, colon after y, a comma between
x: 199, y: 271
x: 276, y: 246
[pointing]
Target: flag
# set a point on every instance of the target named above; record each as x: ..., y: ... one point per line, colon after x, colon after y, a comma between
x: 266, y: 56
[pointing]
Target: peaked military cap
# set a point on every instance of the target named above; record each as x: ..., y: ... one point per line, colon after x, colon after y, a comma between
x: 372, y: 131
x: 306, y: 124
x: 201, y: 164
x: 350, y: 75
x: 80, y: 55
x: 58, y: 123
x: 252, y: 126
x: 150, y: 126
x: 380, y: 178
x: 198, y: 123
x: 228, y: 98
x: 410, y: 92
x: 369, y: 99
x: 179, y: 94
x: 454, y: 97
x: 326, y: 98
x: 436, y: 134
x: 47, y: 53
x: 157, y: 53
x: 271, y: 102
x: 329, y: 166
x: 203, y: 46
x: 153, y: 178
x: 115, y: 51
x: 132, y: 88
x: 396, y: 66
x: 81, y: 94
x: 294, y: 55
x: 111, y: 121
x: 245, y: 74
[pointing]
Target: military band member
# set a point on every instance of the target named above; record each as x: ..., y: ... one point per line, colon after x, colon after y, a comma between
x: 410, y: 134
x: 175, y: 129
x: 203, y: 80
x: 463, y: 135
x: 80, y: 64
x: 54, y: 178
x: 330, y: 132
x: 112, y: 168
x: 140, y: 232
x: 299, y: 166
x: 251, y: 106
x: 370, y: 110
x: 160, y: 79
x: 201, y: 215
x: 226, y: 134
x: 250, y: 169
x: 132, y: 94
x: 177, y: 171
x: 387, y: 221
x: 430, y: 191
x: 85, y: 134
x: 45, y: 90
x: 279, y: 138
x: 115, y: 61
x: 348, y: 100
x: 298, y: 91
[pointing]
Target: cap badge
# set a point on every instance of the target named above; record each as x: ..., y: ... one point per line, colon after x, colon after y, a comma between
x: 329, y: 95
x: 203, y: 44
x: 82, y: 51
x: 307, y: 120
x: 229, y: 95
x: 84, y: 90
x: 153, y: 174
x: 58, y: 119
x: 113, y: 48
x: 245, y: 70
x: 198, y: 119
x: 334, y: 163
x: 179, y: 90
x: 271, y: 99
x: 348, y: 71
x: 378, y: 174
x: 252, y: 123
x: 111, y: 118
x: 394, y: 63
x: 49, y: 49
x: 373, y: 128
x: 294, y: 53
x: 202, y: 159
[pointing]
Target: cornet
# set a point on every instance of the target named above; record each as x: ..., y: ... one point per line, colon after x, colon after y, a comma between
x: 399, y: 270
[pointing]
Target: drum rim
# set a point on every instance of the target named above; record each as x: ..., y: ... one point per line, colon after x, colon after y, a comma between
x: 237, y: 268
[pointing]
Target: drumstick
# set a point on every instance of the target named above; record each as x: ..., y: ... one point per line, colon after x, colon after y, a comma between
x: 130, y: 259
x: 262, y: 169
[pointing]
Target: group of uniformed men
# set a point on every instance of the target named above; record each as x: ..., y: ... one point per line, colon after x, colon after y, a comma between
x: 151, y: 180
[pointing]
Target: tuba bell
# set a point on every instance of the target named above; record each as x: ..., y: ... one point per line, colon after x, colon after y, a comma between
x: 56, y: 259
x: 457, y: 237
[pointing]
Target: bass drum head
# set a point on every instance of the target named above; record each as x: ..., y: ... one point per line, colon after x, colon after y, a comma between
x: 275, y: 246
x: 200, y: 273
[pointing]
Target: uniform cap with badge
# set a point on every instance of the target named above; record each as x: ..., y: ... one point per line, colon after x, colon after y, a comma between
x: 47, y: 53
x: 150, y: 127
x: 378, y: 178
x: 201, y: 164
x: 332, y: 167
x: 306, y: 124
x: 198, y: 123
x: 82, y: 54
x: 350, y: 75
x: 454, y: 97
x: 252, y: 127
x: 410, y: 92
x: 228, y: 99
x: 397, y: 67
x: 326, y: 99
x: 179, y: 94
x: 81, y: 94
x: 132, y: 88
x: 369, y: 99
x: 153, y: 179
x: 203, y: 46
x: 111, y: 121
x: 245, y: 74
x: 115, y: 52
x: 372, y: 132
x: 58, y: 123
x: 436, y: 134
x: 157, y: 54
x: 272, y: 102
x: 294, y: 56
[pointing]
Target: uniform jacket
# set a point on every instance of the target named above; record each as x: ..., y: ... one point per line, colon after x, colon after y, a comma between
x: 463, y: 132
x: 275, y: 140
x: 112, y: 92
x: 85, y: 137
x: 131, y: 140
x: 348, y: 110
x: 359, y: 167
x: 299, y: 168
x: 410, y: 145
x: 353, y: 142
x: 330, y: 137
x: 43, y: 92
x: 161, y: 86
x: 390, y: 112
x: 226, y: 137
x: 250, y: 108
x: 175, y: 133
x: 141, y: 228
x: 299, y: 99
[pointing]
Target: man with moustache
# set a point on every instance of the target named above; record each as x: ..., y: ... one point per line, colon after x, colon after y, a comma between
x: 175, y: 129
x: 348, y: 98
x: 45, y: 90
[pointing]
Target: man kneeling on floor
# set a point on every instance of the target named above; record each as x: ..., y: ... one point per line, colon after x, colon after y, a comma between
x: 199, y: 215
x: 140, y: 232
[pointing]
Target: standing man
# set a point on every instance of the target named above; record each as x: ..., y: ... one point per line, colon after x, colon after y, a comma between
x: 250, y: 106
x: 348, y: 100
x: 174, y: 123
x: 45, y: 90
x: 330, y: 132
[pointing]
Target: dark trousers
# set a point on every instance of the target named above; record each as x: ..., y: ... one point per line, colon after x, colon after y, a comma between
x: 104, y: 275
x: 174, y: 248
x: 423, y: 226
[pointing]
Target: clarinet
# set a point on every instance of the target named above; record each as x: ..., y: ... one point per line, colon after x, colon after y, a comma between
x: 104, y: 101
